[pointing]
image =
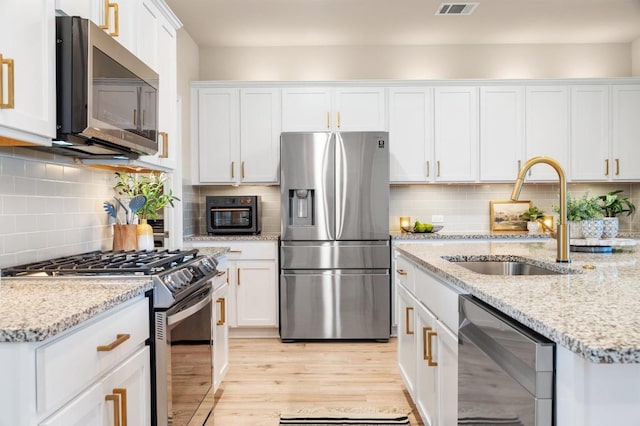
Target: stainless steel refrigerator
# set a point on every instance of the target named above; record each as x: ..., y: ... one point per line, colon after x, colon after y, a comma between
x: 335, y: 250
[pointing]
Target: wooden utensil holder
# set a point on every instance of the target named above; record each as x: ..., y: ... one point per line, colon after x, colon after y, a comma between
x: 125, y: 237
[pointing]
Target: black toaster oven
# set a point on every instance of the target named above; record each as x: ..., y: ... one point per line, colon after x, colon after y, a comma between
x: 231, y: 215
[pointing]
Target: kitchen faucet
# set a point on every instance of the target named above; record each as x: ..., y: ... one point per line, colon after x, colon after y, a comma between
x: 562, y: 234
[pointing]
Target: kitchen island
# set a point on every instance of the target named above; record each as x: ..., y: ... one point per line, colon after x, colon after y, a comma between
x: 592, y: 314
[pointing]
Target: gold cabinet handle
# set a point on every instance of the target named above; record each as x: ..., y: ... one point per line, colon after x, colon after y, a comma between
x: 519, y: 164
x: 123, y: 402
x: 227, y: 275
x: 438, y: 168
x: 328, y: 120
x: 427, y: 353
x: 233, y: 167
x: 338, y: 119
x: 606, y: 167
x: 116, y: 17
x: 165, y: 144
x: 617, y: 166
x: 10, y: 96
x: 242, y: 167
x: 116, y: 408
x: 430, y: 361
x: 406, y: 318
x: 235, y: 251
x: 427, y: 168
x: 120, y: 339
x: 238, y: 275
x: 107, y: 18
x: 135, y: 117
x: 401, y: 272
x: 223, y: 314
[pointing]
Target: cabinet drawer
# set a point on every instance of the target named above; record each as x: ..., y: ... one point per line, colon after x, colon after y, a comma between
x: 405, y: 273
x: 251, y: 250
x: 439, y: 298
x: 68, y: 364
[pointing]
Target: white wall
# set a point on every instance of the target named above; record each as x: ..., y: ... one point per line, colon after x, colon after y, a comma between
x: 465, y: 207
x: 635, y: 58
x: 50, y: 207
x: 416, y: 62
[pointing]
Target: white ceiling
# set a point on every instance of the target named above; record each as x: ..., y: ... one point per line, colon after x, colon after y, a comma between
x: 405, y: 22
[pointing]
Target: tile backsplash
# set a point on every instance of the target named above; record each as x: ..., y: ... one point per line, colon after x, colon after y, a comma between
x: 50, y: 207
x: 464, y: 207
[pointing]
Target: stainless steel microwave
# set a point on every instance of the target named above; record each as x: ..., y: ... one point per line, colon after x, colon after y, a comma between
x: 107, y: 98
x: 232, y: 215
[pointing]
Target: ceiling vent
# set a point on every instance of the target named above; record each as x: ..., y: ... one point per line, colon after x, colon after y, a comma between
x: 456, y: 8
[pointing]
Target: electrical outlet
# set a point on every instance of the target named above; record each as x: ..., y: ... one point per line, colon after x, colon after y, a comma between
x: 437, y: 218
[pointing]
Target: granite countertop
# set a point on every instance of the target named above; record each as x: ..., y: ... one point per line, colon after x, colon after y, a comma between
x: 397, y: 235
x: 264, y: 236
x: 592, y: 312
x: 35, y: 309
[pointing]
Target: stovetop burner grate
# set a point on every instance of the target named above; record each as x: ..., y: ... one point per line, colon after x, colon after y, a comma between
x: 107, y: 263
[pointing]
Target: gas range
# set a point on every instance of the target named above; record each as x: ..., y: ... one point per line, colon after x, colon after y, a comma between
x: 176, y: 274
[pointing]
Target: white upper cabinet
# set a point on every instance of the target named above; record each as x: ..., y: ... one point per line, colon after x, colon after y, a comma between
x: 27, y: 72
x: 238, y: 134
x: 501, y: 132
x: 216, y: 130
x: 117, y: 17
x: 260, y: 124
x: 360, y: 108
x: 547, y: 129
x: 590, y: 130
x: 158, y: 49
x: 411, y: 134
x: 456, y: 134
x: 321, y: 109
x: 626, y: 132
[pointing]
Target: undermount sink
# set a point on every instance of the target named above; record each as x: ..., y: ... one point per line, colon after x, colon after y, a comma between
x: 493, y: 267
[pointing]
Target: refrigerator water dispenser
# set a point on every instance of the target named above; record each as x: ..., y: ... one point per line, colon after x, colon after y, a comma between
x: 301, y: 207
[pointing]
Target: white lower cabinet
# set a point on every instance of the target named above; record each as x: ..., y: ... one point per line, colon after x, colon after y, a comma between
x: 123, y: 393
x: 220, y: 335
x: 428, y: 343
x: 407, y: 339
x: 97, y: 373
x: 252, y: 274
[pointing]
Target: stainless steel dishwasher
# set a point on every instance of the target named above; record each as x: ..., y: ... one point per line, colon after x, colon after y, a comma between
x: 505, y: 370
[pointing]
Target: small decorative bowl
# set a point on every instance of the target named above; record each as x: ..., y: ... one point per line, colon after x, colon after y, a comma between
x: 412, y: 230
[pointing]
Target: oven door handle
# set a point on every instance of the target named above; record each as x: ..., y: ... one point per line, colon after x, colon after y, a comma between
x: 237, y: 209
x: 184, y: 313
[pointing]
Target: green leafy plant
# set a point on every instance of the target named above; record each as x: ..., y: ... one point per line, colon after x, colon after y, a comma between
x: 583, y: 208
x: 613, y: 205
x: 151, y: 186
x: 532, y: 215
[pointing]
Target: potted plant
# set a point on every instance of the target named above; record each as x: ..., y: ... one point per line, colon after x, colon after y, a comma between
x: 152, y: 186
x: 612, y: 205
x: 531, y: 216
x: 583, y: 213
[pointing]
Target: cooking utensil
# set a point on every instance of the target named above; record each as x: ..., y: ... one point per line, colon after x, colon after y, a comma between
x: 126, y: 210
x: 111, y: 210
x: 137, y: 203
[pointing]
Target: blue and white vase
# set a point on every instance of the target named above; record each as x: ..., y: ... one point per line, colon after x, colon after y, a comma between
x: 611, y: 226
x: 592, y: 228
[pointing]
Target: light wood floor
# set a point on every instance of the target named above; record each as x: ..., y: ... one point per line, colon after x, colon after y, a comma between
x: 267, y: 378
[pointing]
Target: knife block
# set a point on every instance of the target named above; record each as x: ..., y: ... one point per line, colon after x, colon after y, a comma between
x: 125, y: 237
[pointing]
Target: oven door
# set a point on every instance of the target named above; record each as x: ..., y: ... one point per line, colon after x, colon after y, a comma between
x: 184, y: 359
x: 232, y: 219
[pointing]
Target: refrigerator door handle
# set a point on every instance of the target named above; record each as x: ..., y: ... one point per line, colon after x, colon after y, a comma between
x: 341, y: 182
